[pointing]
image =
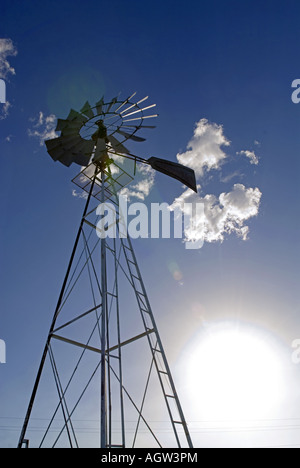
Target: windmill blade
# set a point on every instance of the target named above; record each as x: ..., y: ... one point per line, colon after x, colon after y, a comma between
x: 87, y: 110
x: 53, y: 143
x: 58, y: 141
x: 142, y: 118
x: 182, y: 173
x: 68, y: 142
x: 137, y: 127
x: 125, y: 102
x: 67, y: 159
x: 134, y: 105
x: 63, y: 124
x: 85, y: 147
x: 112, y: 102
x: 82, y: 159
x: 129, y: 136
x: 70, y: 131
x: 99, y: 105
x: 139, y: 110
x: 55, y: 153
x: 117, y: 146
x: 74, y: 115
x: 56, y: 148
x: 71, y: 149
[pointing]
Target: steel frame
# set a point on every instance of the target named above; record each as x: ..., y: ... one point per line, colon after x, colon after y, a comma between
x: 109, y: 352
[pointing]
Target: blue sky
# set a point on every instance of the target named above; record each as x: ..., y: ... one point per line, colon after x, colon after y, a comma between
x: 231, y: 63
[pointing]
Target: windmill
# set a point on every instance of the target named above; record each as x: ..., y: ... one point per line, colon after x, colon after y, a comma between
x: 102, y: 336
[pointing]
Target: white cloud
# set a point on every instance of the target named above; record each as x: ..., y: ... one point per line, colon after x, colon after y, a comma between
x: 7, y: 49
x: 250, y: 155
x: 222, y: 215
x: 43, y: 127
x: 227, y: 178
x: 4, y: 110
x: 142, y: 188
x: 79, y: 194
x: 204, y: 150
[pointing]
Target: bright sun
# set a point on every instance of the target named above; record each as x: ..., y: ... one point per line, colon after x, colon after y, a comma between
x: 234, y: 374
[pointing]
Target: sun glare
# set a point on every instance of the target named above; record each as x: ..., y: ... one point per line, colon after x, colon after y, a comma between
x: 234, y: 373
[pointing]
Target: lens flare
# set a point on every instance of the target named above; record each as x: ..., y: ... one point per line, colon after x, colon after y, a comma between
x: 234, y: 373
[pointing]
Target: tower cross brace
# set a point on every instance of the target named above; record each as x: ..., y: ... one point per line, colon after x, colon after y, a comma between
x: 111, y: 345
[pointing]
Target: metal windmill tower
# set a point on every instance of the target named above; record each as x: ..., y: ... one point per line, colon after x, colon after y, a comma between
x: 104, y: 370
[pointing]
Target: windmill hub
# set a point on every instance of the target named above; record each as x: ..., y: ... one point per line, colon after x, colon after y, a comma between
x: 101, y: 132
